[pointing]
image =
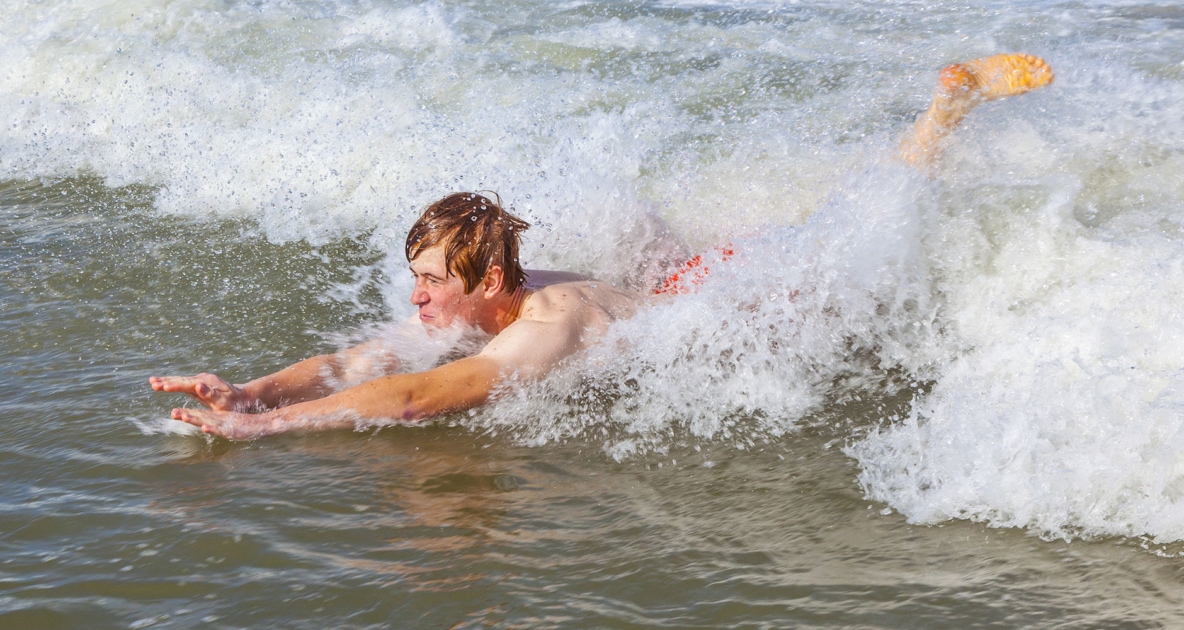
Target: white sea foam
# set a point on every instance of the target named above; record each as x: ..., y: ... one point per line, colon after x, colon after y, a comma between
x: 798, y: 316
x: 1033, y: 284
x: 1061, y: 410
x: 163, y: 426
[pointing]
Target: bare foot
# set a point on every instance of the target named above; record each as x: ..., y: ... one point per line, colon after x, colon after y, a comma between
x: 991, y: 78
x: 228, y: 424
x: 963, y: 86
x: 208, y: 389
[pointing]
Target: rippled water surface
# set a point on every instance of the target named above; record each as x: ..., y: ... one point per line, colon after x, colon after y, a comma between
x: 950, y: 399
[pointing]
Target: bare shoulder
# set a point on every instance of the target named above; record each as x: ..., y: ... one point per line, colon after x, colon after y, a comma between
x: 557, y: 321
x: 587, y: 302
x: 538, y: 278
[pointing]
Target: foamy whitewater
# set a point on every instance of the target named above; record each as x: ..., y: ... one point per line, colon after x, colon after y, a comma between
x: 1026, y: 295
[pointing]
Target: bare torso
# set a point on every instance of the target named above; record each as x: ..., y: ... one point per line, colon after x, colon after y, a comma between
x: 588, y: 306
x: 563, y: 314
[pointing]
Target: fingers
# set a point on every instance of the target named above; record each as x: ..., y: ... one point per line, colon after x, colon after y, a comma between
x: 187, y: 415
x: 179, y: 384
x: 200, y: 419
x: 208, y: 389
x: 226, y: 424
x: 183, y: 415
x: 162, y: 383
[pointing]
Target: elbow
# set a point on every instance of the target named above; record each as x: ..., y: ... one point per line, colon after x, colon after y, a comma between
x: 413, y: 413
x: 417, y: 408
x: 392, y: 398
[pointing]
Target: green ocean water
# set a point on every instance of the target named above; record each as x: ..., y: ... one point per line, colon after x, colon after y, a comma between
x: 436, y: 526
x: 939, y: 400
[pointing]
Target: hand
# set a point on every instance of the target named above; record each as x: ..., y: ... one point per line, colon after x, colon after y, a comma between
x: 208, y: 389
x: 228, y: 424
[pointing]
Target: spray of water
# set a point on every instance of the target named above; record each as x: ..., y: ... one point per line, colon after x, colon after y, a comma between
x: 1029, y: 288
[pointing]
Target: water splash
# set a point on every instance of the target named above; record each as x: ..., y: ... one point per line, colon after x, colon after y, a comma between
x: 1030, y: 288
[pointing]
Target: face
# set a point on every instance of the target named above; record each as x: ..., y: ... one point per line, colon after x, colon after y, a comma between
x: 441, y: 297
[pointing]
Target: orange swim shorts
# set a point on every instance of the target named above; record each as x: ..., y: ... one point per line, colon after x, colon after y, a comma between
x: 690, y: 274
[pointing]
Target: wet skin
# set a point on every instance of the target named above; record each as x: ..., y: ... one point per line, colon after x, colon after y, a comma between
x: 554, y: 316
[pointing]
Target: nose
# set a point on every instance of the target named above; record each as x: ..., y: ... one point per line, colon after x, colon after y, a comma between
x: 419, y: 296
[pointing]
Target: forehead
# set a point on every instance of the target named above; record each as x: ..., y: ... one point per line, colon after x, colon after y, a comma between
x: 430, y: 260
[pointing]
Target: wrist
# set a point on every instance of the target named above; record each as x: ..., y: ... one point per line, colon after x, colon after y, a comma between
x: 251, y: 395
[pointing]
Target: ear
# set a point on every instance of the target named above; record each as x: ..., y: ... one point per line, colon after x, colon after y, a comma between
x: 493, y: 282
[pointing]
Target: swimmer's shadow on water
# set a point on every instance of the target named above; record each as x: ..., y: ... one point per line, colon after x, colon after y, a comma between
x: 423, y: 477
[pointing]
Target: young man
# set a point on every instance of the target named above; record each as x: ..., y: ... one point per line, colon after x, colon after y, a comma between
x: 463, y: 253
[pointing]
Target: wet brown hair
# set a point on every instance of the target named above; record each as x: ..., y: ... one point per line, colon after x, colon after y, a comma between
x: 476, y: 233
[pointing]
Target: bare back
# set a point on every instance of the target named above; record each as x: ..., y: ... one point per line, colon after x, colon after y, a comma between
x: 563, y: 314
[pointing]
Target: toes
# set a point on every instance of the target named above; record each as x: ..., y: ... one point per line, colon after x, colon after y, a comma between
x: 1008, y: 74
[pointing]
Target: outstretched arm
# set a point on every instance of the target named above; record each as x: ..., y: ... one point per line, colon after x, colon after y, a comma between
x: 307, y: 380
x: 398, y: 397
x: 963, y: 86
x: 527, y: 348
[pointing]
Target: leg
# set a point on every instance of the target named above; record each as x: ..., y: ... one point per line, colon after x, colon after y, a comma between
x: 963, y: 86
